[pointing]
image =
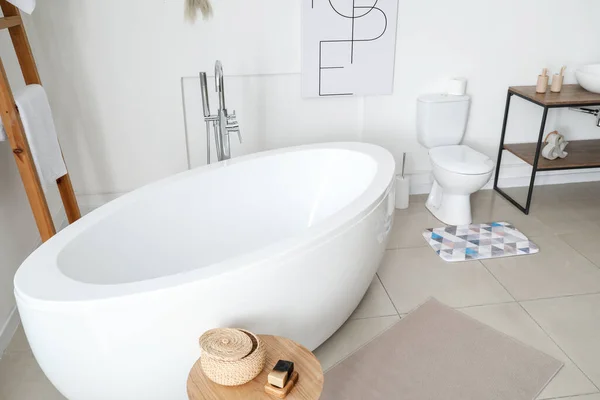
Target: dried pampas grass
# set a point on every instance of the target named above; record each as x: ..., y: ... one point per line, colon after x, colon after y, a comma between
x: 192, y: 7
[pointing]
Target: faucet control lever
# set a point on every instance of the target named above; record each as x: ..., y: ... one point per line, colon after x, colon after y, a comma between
x: 233, y: 125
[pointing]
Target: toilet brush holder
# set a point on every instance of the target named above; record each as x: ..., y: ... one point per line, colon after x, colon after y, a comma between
x: 402, y: 192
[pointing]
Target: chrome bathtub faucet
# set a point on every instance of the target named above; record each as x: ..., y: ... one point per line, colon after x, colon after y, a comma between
x: 223, y: 123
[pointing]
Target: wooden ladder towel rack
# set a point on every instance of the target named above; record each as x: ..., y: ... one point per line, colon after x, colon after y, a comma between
x: 16, y: 134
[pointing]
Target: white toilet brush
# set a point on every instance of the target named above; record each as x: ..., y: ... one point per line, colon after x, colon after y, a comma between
x: 402, y: 188
x: 192, y: 7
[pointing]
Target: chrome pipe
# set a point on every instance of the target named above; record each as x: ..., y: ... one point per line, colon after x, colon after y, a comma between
x: 592, y: 111
x: 223, y: 123
x: 220, y: 84
x: 204, y: 92
x: 584, y: 110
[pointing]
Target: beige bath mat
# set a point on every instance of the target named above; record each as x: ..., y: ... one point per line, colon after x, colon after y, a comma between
x: 437, y: 353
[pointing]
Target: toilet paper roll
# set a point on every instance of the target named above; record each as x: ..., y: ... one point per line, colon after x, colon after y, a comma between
x: 457, y: 86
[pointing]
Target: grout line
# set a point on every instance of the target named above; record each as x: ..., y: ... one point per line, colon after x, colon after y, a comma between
x: 559, y: 297
x: 557, y: 345
x: 486, y: 305
x: 497, y: 280
x: 388, y: 295
x: 372, y: 317
x: 571, y: 397
x: 543, y: 330
x: 574, y: 249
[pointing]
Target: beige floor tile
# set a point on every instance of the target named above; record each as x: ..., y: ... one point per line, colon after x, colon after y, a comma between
x: 418, y: 198
x: 409, y: 225
x: 34, y: 384
x: 588, y: 210
x: 519, y: 194
x: 512, y: 320
x: 595, y: 396
x: 500, y: 211
x: 12, y: 370
x: 22, y: 379
x: 557, y: 270
x: 557, y: 194
x: 562, y: 218
x: 19, y: 342
x: 574, y: 324
x: 411, y: 276
x: 585, y: 242
x: 490, y: 197
x: 350, y: 337
x: 376, y: 303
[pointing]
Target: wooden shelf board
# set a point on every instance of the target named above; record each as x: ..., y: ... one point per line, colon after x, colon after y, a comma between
x: 582, y: 154
x: 9, y: 22
x: 570, y: 95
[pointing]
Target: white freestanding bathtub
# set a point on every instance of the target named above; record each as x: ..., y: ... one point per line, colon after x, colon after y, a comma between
x: 284, y: 242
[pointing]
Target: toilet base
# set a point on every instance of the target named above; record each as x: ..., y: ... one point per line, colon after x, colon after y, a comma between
x: 451, y: 209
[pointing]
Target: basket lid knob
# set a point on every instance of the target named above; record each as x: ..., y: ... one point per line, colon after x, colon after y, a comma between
x: 226, y: 344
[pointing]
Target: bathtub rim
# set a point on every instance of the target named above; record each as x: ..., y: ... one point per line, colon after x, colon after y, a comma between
x: 40, y: 274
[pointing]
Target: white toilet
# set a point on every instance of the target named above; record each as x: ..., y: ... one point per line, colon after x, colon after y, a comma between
x: 458, y: 170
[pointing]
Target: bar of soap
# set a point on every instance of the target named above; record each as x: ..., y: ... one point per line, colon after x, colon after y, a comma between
x: 282, y: 393
x: 278, y: 378
x: 283, y: 365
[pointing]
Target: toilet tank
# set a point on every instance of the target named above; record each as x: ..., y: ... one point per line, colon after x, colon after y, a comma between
x: 441, y: 119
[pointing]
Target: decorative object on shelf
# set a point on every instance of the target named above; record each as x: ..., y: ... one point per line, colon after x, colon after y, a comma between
x: 281, y: 393
x: 231, y: 357
x: 192, y: 7
x: 554, y: 147
x: 542, y: 83
x: 557, y: 81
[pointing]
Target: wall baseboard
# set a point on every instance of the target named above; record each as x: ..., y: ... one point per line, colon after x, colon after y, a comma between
x: 8, y: 330
x: 513, y: 176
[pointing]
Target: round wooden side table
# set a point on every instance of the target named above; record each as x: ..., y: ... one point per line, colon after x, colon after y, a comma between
x: 310, y: 380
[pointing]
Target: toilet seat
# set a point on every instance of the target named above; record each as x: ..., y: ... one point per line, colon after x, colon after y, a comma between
x: 461, y: 159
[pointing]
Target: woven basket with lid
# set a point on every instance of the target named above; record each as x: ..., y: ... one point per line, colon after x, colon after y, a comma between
x: 231, y: 357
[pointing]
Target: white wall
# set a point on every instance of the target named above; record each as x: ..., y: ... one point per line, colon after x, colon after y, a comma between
x: 115, y: 72
x: 18, y: 232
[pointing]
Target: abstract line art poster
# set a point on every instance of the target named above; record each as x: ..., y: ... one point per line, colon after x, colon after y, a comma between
x: 348, y: 47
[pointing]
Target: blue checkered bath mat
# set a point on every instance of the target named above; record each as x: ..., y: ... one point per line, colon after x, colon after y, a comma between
x: 479, y: 241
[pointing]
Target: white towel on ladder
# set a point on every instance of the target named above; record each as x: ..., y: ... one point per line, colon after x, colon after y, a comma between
x: 36, y: 116
x: 25, y: 5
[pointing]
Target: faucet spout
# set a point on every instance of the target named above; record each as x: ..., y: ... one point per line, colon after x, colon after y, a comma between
x: 220, y: 84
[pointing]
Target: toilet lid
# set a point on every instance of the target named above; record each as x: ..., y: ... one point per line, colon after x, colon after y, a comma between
x: 461, y: 159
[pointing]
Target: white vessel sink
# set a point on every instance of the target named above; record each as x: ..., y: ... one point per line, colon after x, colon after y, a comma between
x: 589, y: 77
